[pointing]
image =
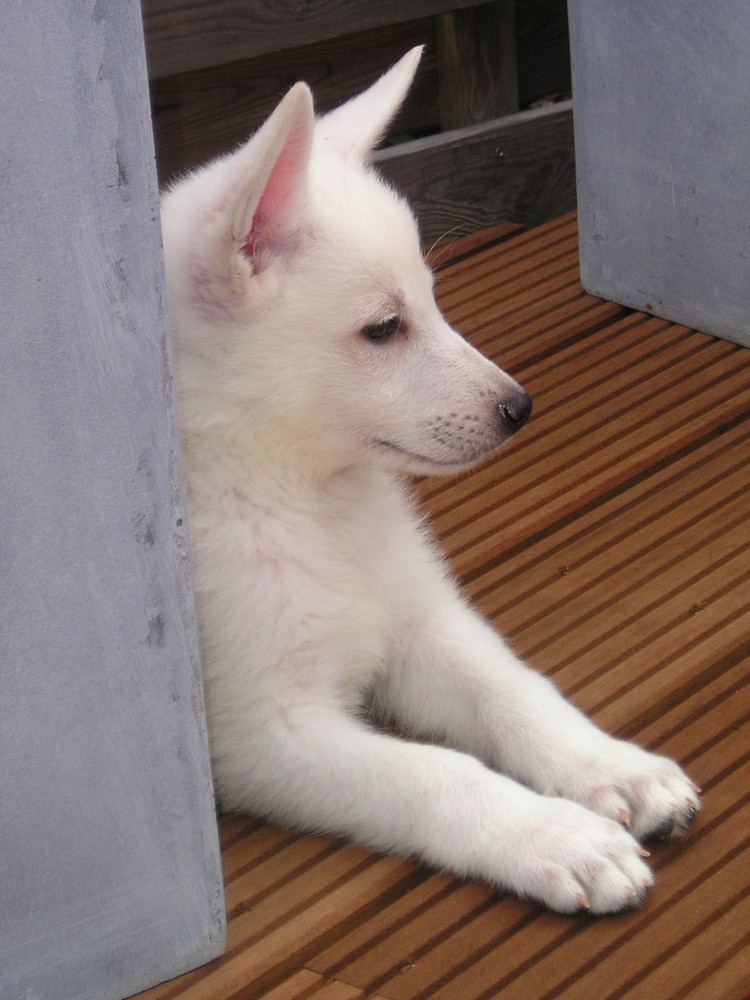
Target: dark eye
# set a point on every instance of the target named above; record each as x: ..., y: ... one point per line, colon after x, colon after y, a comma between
x: 383, y: 329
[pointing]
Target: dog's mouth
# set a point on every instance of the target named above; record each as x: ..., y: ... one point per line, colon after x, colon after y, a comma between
x: 455, y: 441
x: 427, y: 464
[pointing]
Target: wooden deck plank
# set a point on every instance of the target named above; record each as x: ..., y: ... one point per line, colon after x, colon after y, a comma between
x: 727, y: 978
x: 580, y: 398
x: 613, y: 452
x: 548, y: 959
x: 518, y: 273
x: 399, y: 953
x: 564, y: 563
x: 637, y: 403
x: 468, y: 968
x: 302, y: 984
x: 689, y: 727
x: 610, y: 543
x: 377, y: 932
x: 609, y: 589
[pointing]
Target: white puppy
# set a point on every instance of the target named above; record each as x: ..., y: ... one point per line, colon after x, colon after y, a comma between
x: 314, y: 369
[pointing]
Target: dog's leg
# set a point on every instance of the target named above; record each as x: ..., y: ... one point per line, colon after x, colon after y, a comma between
x: 319, y: 768
x: 458, y: 681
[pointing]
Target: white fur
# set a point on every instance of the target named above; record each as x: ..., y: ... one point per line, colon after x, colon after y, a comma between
x: 322, y: 601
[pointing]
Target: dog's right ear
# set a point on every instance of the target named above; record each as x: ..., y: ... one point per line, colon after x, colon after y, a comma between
x: 355, y: 128
x: 267, y: 184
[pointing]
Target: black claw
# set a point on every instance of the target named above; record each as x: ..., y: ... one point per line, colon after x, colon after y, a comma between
x: 664, y: 831
x: 675, y: 825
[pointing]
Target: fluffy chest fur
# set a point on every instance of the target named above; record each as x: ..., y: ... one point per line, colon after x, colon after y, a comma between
x: 329, y: 582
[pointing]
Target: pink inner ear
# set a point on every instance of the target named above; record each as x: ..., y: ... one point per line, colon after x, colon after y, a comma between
x: 276, y: 217
x: 250, y: 248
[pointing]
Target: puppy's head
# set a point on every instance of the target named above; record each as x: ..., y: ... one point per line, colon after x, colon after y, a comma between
x: 303, y: 314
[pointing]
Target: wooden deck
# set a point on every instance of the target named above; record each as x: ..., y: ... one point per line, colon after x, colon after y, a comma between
x: 611, y: 543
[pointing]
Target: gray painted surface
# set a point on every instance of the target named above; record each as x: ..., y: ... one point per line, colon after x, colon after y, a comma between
x: 662, y: 129
x: 108, y: 848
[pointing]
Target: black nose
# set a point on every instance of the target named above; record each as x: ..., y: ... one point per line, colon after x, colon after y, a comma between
x: 515, y: 410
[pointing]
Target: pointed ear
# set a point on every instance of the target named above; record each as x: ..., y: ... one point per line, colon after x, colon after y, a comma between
x: 268, y: 180
x: 354, y: 129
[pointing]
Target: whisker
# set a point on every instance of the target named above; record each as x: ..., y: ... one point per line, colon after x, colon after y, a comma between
x: 441, y: 239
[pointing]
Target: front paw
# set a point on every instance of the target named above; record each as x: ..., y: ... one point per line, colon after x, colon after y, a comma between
x: 649, y: 794
x: 573, y: 860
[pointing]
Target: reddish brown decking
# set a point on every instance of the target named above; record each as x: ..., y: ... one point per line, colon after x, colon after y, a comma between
x: 611, y: 543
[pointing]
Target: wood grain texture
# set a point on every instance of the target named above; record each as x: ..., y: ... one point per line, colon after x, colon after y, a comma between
x: 207, y: 112
x: 478, y: 78
x: 610, y: 542
x: 184, y: 35
x: 518, y: 169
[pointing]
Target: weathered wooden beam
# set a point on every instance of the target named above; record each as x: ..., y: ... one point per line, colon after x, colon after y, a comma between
x: 183, y: 35
x: 518, y: 169
x: 206, y: 112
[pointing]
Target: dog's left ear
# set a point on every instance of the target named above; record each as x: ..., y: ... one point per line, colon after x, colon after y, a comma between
x: 354, y: 129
